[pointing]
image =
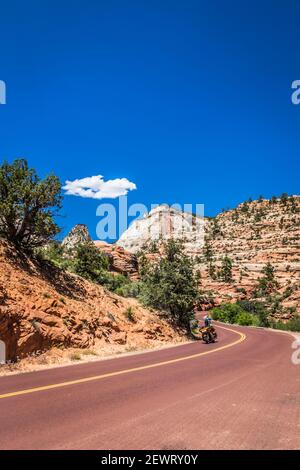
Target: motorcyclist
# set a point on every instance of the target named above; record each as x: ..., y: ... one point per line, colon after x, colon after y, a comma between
x: 210, y: 331
x: 207, y: 320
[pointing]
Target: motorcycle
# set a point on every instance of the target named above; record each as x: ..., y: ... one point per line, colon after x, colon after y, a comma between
x: 209, y: 334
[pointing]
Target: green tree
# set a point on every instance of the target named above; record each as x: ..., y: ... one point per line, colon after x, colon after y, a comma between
x: 153, y: 247
x: 28, y: 205
x: 90, y: 263
x: 235, y: 215
x: 215, y: 229
x: 212, y: 271
x: 293, y: 205
x: 208, y: 251
x: 225, y: 272
x: 245, y: 207
x: 171, y: 283
x: 267, y: 283
x: 284, y: 198
x: 269, y: 272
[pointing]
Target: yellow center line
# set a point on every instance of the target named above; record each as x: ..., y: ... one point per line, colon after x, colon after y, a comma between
x: 242, y: 337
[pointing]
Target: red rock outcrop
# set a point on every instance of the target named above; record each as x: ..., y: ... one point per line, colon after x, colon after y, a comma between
x: 121, y: 261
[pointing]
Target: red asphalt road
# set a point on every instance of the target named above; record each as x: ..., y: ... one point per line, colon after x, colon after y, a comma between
x: 244, y: 397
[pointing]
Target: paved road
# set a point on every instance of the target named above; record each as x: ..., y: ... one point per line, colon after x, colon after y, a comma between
x: 240, y: 393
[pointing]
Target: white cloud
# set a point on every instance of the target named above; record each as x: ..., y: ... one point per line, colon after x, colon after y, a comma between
x: 96, y: 188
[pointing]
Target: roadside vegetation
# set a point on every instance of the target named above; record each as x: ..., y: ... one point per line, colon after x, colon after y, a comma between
x: 88, y: 262
x: 244, y: 313
x: 249, y: 313
x: 260, y: 308
x: 169, y: 283
x: 290, y: 325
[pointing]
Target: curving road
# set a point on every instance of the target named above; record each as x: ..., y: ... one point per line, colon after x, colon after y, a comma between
x: 240, y: 393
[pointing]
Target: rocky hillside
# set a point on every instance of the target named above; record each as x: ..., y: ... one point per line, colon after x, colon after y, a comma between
x: 42, y: 306
x: 253, y: 234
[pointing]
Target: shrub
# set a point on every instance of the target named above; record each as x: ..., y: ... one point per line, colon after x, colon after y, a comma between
x: 234, y: 313
x: 54, y: 252
x: 291, y: 325
x: 87, y: 261
x: 90, y: 263
x: 113, y: 282
x: 153, y: 247
x: 89, y: 352
x: 245, y: 319
x: 75, y: 357
x: 241, y: 290
x: 129, y: 314
x: 212, y: 271
x: 257, y: 309
x: 227, y: 312
x: 131, y: 289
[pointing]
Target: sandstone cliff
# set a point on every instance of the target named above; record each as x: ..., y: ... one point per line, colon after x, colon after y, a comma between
x: 120, y: 260
x: 252, y: 235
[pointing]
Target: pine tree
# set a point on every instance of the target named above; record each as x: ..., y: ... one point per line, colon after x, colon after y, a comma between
x: 28, y: 205
x: 267, y: 283
x: 225, y: 272
x: 171, y: 284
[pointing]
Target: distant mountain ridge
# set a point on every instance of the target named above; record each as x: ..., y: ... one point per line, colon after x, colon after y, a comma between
x: 251, y: 235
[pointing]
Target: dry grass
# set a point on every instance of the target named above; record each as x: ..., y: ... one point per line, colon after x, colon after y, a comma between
x: 57, y: 357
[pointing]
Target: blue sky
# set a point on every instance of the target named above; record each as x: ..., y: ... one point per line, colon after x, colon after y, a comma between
x: 189, y: 100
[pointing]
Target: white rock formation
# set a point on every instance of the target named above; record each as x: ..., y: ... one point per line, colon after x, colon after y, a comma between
x: 163, y: 223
